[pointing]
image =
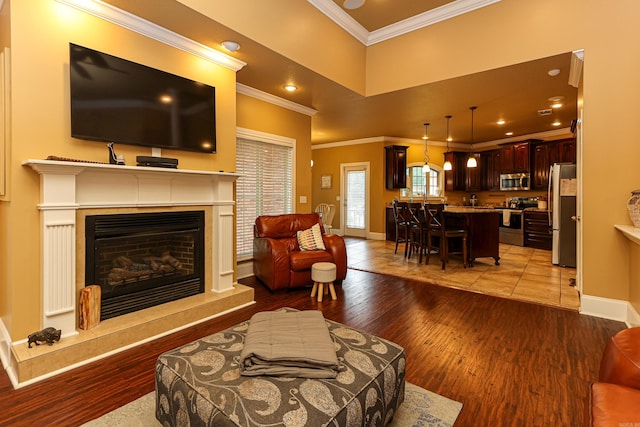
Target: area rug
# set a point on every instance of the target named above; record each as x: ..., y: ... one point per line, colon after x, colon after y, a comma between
x: 420, y: 408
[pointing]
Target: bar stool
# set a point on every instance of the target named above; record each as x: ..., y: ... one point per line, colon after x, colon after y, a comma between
x: 323, y: 273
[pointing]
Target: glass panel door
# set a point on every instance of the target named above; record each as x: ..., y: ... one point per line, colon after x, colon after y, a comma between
x: 355, y: 203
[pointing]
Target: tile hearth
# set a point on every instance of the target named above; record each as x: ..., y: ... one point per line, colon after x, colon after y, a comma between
x: 119, y: 333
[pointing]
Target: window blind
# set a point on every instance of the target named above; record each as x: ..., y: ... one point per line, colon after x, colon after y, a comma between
x: 264, y: 187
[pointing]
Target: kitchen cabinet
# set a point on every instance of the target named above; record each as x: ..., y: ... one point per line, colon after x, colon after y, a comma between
x: 483, y: 229
x: 540, y: 162
x: 545, y: 154
x: 565, y: 150
x: 491, y: 164
x: 474, y: 177
x: 396, y: 166
x: 455, y: 179
x: 537, y: 231
x: 390, y: 224
x: 515, y: 157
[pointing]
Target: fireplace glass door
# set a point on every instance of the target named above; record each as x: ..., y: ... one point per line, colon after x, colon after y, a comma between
x: 142, y: 260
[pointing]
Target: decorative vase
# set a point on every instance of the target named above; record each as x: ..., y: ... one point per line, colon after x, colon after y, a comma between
x: 634, y: 208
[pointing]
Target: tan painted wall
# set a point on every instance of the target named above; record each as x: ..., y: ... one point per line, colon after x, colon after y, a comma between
x: 40, y: 34
x: 264, y: 117
x: 334, y: 54
x: 328, y: 161
x: 513, y: 31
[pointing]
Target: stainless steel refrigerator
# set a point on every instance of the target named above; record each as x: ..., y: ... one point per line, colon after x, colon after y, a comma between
x: 562, y: 195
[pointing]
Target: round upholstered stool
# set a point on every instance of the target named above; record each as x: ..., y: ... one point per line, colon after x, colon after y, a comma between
x: 323, y: 273
x: 620, y: 362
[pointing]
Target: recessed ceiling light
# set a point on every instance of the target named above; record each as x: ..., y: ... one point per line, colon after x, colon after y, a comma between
x: 352, y: 4
x: 553, y: 72
x: 501, y: 122
x: 556, y: 123
x: 290, y: 87
x: 555, y: 98
x: 556, y: 105
x: 509, y: 133
x: 230, y: 45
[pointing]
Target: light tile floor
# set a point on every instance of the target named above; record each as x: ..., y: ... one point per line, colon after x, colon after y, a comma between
x: 523, y: 274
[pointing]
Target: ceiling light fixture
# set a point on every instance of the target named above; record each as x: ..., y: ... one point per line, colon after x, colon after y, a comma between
x: 447, y: 164
x: 509, y: 134
x: 290, y: 87
x: 352, y: 4
x: 553, y: 72
x: 501, y: 122
x: 230, y: 45
x: 471, y: 161
x: 556, y: 105
x: 425, y: 168
x: 556, y: 123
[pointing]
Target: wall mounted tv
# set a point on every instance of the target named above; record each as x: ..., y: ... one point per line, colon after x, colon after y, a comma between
x: 115, y: 100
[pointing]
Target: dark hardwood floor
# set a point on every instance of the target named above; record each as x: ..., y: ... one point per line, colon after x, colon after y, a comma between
x: 510, y: 363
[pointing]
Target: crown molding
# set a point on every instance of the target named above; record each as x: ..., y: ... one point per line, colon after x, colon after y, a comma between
x: 275, y: 100
x: 439, y: 14
x: 488, y: 144
x: 156, y: 32
x: 343, y: 19
x: 350, y: 25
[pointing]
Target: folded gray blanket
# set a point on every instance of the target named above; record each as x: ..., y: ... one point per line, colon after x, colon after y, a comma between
x: 289, y: 344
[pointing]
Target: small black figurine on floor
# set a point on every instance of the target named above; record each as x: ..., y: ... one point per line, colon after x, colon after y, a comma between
x: 48, y: 335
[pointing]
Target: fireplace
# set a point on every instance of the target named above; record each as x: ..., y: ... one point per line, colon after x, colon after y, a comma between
x: 144, y: 259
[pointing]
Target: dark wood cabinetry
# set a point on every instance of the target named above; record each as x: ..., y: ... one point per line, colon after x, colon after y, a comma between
x: 515, y: 158
x: 541, y: 161
x: 474, y: 176
x: 396, y: 166
x: 491, y: 164
x: 545, y: 154
x: 565, y: 150
x: 455, y: 179
x: 537, y: 231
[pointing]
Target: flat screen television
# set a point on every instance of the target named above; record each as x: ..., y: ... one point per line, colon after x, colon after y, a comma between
x: 119, y: 101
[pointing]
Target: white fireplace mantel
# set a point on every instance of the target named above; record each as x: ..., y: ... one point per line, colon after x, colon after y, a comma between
x: 66, y: 187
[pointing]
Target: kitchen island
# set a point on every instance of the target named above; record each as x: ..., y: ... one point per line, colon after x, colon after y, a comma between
x: 483, y: 229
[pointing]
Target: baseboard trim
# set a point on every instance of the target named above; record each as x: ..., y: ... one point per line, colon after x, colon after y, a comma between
x: 244, y: 269
x: 376, y: 236
x: 608, y: 308
x: 5, y: 346
x: 633, y: 317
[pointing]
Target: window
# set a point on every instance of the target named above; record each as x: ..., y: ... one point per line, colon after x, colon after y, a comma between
x: 265, y: 186
x: 418, y: 183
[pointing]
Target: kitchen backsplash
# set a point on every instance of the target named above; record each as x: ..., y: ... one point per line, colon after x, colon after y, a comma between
x: 488, y: 198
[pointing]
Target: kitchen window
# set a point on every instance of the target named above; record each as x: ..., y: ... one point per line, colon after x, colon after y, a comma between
x: 418, y: 182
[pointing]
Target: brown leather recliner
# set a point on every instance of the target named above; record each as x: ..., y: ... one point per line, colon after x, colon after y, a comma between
x: 614, y: 400
x: 277, y: 259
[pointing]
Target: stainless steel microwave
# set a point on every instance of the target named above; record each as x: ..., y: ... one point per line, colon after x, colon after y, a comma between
x: 514, y: 181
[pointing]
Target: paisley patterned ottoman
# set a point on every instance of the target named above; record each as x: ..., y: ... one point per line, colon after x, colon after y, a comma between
x: 200, y: 384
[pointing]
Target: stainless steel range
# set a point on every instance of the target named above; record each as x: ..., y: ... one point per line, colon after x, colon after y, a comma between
x: 512, y: 222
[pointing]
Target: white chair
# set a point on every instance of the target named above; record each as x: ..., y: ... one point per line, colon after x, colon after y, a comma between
x: 326, y: 212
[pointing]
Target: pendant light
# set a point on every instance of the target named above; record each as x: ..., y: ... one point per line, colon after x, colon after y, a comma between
x: 447, y: 164
x: 471, y: 161
x: 425, y: 168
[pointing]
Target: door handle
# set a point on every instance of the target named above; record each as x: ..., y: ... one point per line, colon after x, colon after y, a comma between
x: 575, y: 218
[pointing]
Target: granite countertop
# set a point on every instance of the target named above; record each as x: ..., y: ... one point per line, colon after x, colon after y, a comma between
x: 470, y: 209
x: 537, y: 210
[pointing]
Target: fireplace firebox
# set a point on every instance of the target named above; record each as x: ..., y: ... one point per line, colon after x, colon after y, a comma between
x: 144, y: 259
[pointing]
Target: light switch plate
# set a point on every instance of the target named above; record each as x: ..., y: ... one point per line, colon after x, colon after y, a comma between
x: 303, y: 199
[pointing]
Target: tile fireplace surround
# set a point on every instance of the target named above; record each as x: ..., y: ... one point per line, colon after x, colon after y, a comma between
x: 70, y: 191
